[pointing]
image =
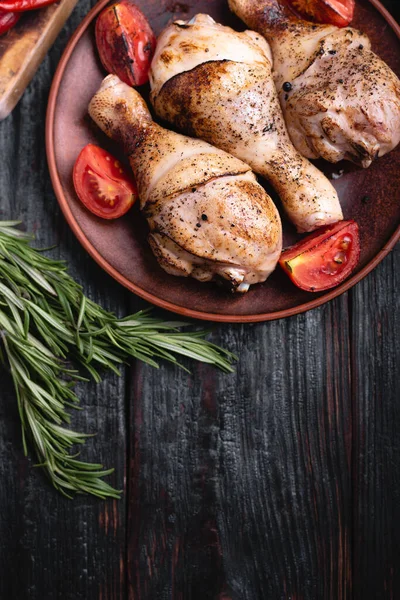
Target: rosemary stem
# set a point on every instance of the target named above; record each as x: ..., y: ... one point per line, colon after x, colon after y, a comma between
x: 49, y: 330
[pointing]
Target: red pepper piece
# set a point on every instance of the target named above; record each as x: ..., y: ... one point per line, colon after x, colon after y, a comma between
x: 22, y: 5
x: 7, y: 20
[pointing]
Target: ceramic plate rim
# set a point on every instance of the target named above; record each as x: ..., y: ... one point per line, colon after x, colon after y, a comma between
x: 133, y: 287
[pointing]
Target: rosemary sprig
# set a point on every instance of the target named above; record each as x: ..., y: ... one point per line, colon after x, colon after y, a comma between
x: 47, y: 324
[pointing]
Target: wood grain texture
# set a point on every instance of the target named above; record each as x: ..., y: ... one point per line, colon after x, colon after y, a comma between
x: 280, y: 481
x: 23, y: 48
x: 291, y: 432
x: 243, y: 482
x: 376, y: 426
x: 376, y: 440
x: 52, y: 547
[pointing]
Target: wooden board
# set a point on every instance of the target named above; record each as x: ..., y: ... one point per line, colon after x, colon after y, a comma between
x: 23, y: 48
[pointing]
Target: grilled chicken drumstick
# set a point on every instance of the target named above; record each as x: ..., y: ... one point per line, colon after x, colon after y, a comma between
x: 215, y: 83
x: 340, y: 100
x: 208, y: 216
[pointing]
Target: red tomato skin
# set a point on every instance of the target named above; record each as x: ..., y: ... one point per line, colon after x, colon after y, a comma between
x: 334, y: 12
x: 125, y: 42
x: 7, y: 20
x: 311, y: 263
x: 97, y: 172
x: 23, y: 5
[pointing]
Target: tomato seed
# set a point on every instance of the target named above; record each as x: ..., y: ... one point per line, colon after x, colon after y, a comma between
x: 339, y: 258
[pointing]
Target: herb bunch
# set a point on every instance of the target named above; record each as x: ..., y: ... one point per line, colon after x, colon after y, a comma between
x: 49, y: 330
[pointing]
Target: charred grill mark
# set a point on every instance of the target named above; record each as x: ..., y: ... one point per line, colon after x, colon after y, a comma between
x: 187, y: 46
x: 122, y: 48
x: 274, y: 14
x: 166, y: 57
x: 360, y: 150
x: 169, y: 84
x: 187, y: 89
x: 228, y: 284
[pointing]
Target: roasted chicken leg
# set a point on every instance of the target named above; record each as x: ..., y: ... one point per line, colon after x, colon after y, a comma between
x: 215, y: 83
x: 340, y: 100
x: 208, y: 216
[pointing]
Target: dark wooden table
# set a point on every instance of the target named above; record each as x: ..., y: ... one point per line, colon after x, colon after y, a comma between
x: 278, y: 481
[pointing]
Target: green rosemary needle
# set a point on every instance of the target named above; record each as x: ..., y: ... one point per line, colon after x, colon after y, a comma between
x: 48, y: 330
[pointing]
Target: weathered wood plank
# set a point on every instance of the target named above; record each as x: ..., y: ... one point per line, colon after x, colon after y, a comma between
x: 173, y: 547
x: 242, y: 483
x: 376, y: 396
x: 286, y: 441
x: 52, y: 547
x: 376, y: 425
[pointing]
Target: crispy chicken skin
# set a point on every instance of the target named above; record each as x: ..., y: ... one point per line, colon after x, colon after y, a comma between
x: 344, y: 101
x: 208, y: 216
x: 215, y: 83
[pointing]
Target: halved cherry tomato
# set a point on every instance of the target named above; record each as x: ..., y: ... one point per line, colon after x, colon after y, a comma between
x: 7, y: 20
x: 104, y: 186
x: 323, y: 259
x: 335, y: 12
x: 125, y: 42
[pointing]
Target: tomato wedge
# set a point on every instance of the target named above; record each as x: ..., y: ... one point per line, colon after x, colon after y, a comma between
x: 7, y: 20
x: 323, y: 259
x: 104, y: 186
x: 125, y: 42
x: 335, y: 12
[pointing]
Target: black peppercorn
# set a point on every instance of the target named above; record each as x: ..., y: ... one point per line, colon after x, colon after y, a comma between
x: 287, y: 86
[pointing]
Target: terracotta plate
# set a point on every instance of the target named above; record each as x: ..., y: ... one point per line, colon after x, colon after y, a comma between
x: 370, y: 196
